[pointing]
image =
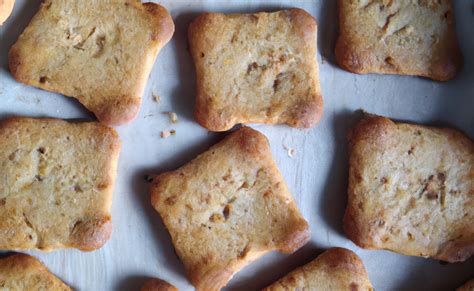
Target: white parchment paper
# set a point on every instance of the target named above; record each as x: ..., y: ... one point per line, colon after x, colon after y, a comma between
x: 317, y: 174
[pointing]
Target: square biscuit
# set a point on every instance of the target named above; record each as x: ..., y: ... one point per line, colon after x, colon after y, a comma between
x: 398, y: 37
x: 56, y: 184
x: 256, y: 68
x: 228, y: 207
x: 99, y: 52
x: 411, y: 189
x: 23, y: 272
x: 335, y: 269
x: 6, y: 8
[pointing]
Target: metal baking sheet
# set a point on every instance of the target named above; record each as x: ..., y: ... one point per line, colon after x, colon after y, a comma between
x: 140, y: 247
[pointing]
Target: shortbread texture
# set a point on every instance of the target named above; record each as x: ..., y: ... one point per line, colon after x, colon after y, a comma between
x: 100, y: 52
x: 6, y: 7
x: 413, y: 37
x: 23, y: 272
x: 56, y: 183
x: 256, y: 68
x: 411, y: 189
x: 156, y: 284
x: 227, y: 208
x: 335, y: 269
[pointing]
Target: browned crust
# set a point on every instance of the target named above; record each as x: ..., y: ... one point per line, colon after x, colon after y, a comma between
x: 376, y: 130
x: 306, y: 114
x: 92, y: 233
x: 254, y: 144
x: 331, y: 262
x: 114, y: 110
x: 156, y: 284
x: 358, y: 61
x: 24, y: 263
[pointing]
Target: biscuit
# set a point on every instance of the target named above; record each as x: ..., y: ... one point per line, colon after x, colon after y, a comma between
x: 158, y: 285
x: 24, y: 272
x: 398, y: 37
x: 411, y: 189
x: 99, y: 52
x: 335, y: 269
x: 228, y: 207
x: 6, y: 7
x: 256, y: 68
x: 56, y: 184
x: 469, y: 286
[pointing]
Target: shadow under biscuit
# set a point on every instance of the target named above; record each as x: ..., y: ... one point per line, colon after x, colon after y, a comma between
x: 334, y: 195
x: 328, y: 31
x: 134, y: 282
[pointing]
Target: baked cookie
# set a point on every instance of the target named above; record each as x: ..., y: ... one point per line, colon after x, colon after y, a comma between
x: 469, y: 286
x: 6, y: 7
x: 256, y: 68
x: 335, y: 269
x: 24, y: 272
x: 57, y: 182
x: 398, y: 37
x: 158, y: 285
x: 411, y: 189
x: 228, y: 207
x: 99, y: 52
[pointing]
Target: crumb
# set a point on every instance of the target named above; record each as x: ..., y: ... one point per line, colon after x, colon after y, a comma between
x: 165, y: 134
x: 291, y: 153
x: 173, y: 117
x: 173, y: 132
x: 156, y: 98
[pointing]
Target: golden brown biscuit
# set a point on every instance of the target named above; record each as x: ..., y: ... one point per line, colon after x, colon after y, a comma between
x: 335, y: 269
x: 99, y: 52
x: 228, y: 207
x: 158, y: 285
x: 469, y: 286
x: 256, y: 68
x: 6, y: 7
x: 56, y: 184
x: 411, y: 189
x: 23, y: 272
x: 398, y: 37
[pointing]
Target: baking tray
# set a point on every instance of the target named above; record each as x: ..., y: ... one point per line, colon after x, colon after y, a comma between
x: 140, y: 247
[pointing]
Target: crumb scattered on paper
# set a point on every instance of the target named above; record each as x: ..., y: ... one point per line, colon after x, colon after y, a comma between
x: 165, y: 134
x: 290, y: 151
x: 173, y: 132
x: 173, y: 117
x: 156, y: 98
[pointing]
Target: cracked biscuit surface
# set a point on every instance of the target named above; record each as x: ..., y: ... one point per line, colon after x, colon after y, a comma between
x: 335, y: 269
x: 256, y: 68
x: 411, y: 189
x: 228, y: 207
x: 56, y: 183
x: 99, y: 52
x: 23, y: 272
x: 6, y: 7
x: 415, y: 37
